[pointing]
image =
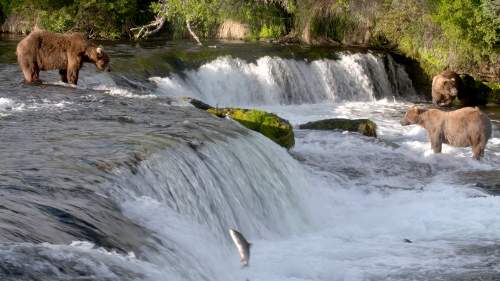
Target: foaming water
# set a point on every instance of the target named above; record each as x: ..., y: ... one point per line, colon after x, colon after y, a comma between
x: 273, y: 80
x: 189, y: 196
x: 341, y: 213
x: 373, y: 194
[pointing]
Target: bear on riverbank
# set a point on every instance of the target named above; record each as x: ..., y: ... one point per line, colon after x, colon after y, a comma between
x: 445, y: 87
x: 43, y: 50
x: 464, y: 127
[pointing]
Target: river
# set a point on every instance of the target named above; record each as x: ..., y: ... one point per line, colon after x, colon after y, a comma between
x: 120, y: 179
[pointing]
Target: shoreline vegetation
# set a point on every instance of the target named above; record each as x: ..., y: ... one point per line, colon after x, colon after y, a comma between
x: 427, y: 35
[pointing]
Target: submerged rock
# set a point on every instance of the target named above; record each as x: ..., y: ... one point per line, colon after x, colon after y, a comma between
x: 270, y: 125
x: 363, y: 126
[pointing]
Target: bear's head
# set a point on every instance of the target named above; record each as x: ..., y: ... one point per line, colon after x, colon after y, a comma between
x: 97, y: 56
x: 412, y: 116
x: 450, y: 86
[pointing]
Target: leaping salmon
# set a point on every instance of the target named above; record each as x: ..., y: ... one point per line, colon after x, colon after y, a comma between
x: 242, y: 245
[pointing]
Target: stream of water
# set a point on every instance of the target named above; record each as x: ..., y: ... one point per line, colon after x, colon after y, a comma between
x: 119, y: 179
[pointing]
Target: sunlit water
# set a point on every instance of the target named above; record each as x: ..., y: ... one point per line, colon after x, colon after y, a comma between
x: 163, y: 183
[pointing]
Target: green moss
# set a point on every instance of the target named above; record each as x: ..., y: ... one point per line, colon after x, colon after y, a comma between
x: 363, y: 126
x: 270, y: 125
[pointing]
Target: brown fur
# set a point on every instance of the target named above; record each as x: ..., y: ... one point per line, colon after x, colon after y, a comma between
x: 464, y: 127
x: 43, y: 50
x: 445, y: 87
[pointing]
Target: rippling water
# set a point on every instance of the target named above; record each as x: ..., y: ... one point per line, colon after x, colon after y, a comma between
x: 117, y: 179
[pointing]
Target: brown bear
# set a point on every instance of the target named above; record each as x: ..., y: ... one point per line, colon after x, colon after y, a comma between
x: 445, y: 87
x: 464, y: 127
x: 43, y: 50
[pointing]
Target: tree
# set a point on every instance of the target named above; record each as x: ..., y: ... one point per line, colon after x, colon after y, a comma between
x: 200, y: 13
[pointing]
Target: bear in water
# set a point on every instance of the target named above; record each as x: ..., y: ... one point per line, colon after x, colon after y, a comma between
x: 464, y: 127
x: 43, y: 50
x: 445, y: 87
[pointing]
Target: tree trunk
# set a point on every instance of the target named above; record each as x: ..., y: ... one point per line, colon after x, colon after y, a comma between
x: 154, y: 26
x: 188, y: 24
x: 145, y: 30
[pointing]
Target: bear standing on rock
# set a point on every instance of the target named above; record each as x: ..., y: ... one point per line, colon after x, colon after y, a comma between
x: 464, y: 127
x: 43, y: 50
x: 445, y: 87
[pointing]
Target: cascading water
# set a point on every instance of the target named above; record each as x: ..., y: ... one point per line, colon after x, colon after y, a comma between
x: 246, y: 183
x: 273, y: 80
x: 190, y: 197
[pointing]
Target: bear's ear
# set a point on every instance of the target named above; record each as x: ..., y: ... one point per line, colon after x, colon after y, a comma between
x: 99, y: 50
x: 421, y: 110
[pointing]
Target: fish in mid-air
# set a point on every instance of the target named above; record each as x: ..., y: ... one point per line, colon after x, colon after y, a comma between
x: 242, y: 245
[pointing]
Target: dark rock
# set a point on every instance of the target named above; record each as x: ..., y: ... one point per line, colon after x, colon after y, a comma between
x: 363, y: 126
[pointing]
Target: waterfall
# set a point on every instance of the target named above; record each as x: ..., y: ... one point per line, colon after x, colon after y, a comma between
x: 273, y: 80
x: 190, y: 195
x: 247, y: 183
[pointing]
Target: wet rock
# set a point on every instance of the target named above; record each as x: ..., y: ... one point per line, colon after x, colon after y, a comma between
x: 270, y: 125
x: 363, y: 126
x: 197, y: 103
x: 125, y: 119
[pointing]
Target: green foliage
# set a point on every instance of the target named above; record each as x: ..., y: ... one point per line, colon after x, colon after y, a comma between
x: 271, y: 31
x: 203, y: 15
x: 264, y: 20
x: 471, y: 28
x: 101, y: 19
x: 335, y: 26
x: 459, y: 34
x: 59, y: 21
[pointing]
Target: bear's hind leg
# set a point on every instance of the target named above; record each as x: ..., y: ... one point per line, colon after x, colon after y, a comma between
x: 30, y: 70
x: 63, y: 74
x: 436, y: 141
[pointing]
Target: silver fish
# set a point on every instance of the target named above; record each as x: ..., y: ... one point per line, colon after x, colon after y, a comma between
x: 242, y: 245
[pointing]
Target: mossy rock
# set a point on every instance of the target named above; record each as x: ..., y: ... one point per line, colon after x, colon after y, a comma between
x: 474, y: 92
x: 270, y: 125
x: 363, y: 126
x: 494, y: 95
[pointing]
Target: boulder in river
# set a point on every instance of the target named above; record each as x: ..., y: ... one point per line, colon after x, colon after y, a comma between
x: 474, y: 92
x: 270, y: 125
x: 363, y: 126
